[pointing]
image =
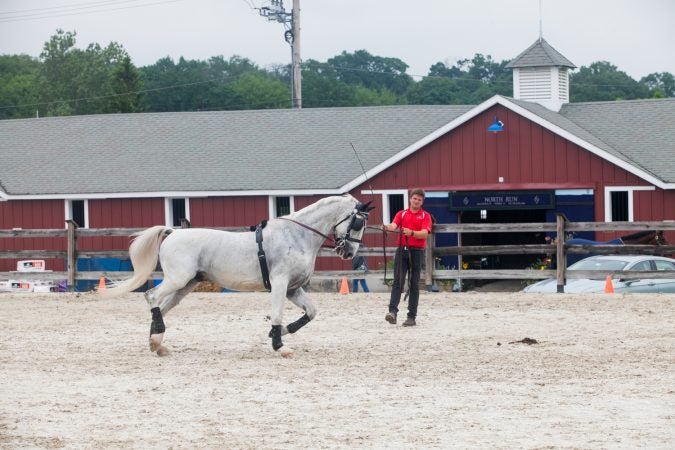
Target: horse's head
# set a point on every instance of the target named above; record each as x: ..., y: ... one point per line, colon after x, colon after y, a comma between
x: 647, y: 237
x: 349, y: 231
x: 659, y: 238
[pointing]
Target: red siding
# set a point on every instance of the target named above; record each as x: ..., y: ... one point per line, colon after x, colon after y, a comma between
x: 120, y: 213
x: 32, y: 214
x: 228, y: 211
x: 524, y: 153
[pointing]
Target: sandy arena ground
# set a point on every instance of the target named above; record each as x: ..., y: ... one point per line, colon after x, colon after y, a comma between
x: 77, y: 373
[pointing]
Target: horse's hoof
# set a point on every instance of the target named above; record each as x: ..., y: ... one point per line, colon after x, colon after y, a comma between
x: 286, y: 352
x: 155, y: 341
x: 163, y: 351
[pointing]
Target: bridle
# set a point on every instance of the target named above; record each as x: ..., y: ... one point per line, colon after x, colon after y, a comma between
x: 357, y: 220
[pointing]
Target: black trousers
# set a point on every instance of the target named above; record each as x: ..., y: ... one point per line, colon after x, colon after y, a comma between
x: 407, y: 260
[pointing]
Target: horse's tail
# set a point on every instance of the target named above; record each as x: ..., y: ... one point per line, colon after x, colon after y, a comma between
x: 143, y: 251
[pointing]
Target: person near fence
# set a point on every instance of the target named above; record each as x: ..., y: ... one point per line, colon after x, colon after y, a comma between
x: 413, y: 225
x: 360, y: 263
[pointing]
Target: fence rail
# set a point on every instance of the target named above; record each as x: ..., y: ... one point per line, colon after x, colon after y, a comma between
x: 560, y: 249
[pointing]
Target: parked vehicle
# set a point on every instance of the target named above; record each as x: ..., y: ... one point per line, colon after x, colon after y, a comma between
x: 608, y: 263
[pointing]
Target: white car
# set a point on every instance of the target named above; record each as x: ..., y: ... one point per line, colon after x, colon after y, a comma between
x: 607, y: 263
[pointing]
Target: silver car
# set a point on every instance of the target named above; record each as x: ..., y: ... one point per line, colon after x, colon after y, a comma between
x: 608, y: 263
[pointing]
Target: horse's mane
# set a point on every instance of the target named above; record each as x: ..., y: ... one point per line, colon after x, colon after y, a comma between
x: 322, y: 203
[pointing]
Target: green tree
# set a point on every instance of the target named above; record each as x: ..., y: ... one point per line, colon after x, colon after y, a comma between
x: 436, y: 91
x: 236, y: 74
x: 257, y: 91
x: 126, y: 84
x: 319, y: 91
x: 74, y: 81
x: 469, y: 81
x: 602, y: 81
x: 373, y: 72
x: 176, y: 87
x: 369, y: 97
x: 322, y: 87
x: 194, y: 85
x: 17, y: 78
x: 660, y: 84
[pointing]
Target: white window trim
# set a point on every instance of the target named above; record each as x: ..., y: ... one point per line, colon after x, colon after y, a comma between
x: 630, y: 190
x: 69, y: 216
x: 168, y: 210
x: 385, y: 200
x: 272, y: 209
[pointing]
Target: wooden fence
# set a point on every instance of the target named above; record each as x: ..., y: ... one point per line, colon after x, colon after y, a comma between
x: 560, y: 229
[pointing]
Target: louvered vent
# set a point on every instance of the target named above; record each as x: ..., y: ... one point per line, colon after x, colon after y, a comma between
x: 535, y: 83
x: 563, y: 85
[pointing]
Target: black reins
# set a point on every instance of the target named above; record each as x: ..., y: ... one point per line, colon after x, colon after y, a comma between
x: 335, y: 242
x: 384, y: 258
x: 309, y: 228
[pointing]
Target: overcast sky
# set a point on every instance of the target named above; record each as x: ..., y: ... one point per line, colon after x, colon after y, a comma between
x: 638, y: 36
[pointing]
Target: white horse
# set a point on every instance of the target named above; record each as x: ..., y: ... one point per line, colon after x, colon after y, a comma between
x: 288, y: 249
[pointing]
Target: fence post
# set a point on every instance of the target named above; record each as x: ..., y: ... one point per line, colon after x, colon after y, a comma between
x: 72, y: 256
x: 560, y: 255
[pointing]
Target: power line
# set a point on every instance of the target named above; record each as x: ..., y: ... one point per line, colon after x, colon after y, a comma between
x: 46, y: 15
x: 68, y: 6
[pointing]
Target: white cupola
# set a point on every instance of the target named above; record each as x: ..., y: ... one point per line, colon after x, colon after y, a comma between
x: 541, y: 75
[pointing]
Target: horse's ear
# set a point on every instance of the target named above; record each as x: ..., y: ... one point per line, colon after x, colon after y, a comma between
x: 365, y: 207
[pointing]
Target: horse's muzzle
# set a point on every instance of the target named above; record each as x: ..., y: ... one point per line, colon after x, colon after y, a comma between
x: 344, y: 251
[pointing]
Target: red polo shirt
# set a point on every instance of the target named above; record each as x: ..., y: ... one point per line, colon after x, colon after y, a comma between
x: 421, y: 220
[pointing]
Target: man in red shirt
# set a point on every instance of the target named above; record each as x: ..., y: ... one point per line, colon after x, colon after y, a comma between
x: 413, y: 226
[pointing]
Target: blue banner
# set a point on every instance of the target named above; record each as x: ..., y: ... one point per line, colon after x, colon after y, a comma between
x: 467, y: 201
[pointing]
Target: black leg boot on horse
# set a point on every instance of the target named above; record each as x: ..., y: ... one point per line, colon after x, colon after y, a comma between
x: 157, y: 330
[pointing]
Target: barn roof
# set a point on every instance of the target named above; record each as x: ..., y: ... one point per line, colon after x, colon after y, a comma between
x: 288, y: 151
x: 540, y: 54
x: 285, y: 150
x: 641, y: 131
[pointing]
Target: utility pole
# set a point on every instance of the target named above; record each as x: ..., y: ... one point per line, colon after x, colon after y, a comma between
x: 291, y: 21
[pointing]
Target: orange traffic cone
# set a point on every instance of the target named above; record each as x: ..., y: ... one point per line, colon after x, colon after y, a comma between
x: 344, y: 287
x: 609, y: 287
x: 101, y: 284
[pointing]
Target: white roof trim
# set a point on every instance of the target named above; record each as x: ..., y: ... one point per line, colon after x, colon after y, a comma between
x: 498, y: 99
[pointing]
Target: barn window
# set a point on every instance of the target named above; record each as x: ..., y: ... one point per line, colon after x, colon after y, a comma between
x: 281, y: 206
x: 619, y: 202
x: 619, y: 206
x: 177, y: 211
x: 396, y: 203
x: 76, y: 210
